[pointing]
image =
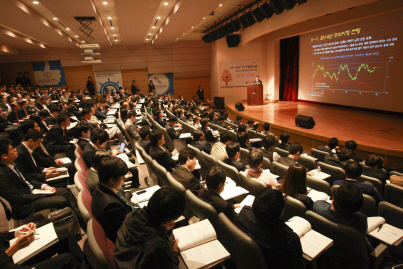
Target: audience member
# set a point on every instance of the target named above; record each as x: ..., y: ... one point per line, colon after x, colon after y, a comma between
x: 352, y: 145
x: 295, y: 150
x: 219, y: 149
x: 183, y: 172
x: 205, y: 123
x: 158, y: 153
x: 233, y: 152
x: 255, y: 160
x: 199, y: 141
x: 284, y: 138
x: 92, y: 180
x: 170, y: 127
x: 332, y: 147
x: 243, y: 139
x: 269, y: 141
x: 343, y: 156
x: 370, y: 169
x: 145, y: 138
x: 99, y: 138
x: 266, y: 128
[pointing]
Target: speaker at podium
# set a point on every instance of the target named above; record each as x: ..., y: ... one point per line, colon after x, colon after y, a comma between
x: 255, y: 95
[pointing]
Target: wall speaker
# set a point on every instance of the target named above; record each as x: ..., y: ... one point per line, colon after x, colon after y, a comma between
x: 277, y: 6
x: 258, y: 14
x: 239, y: 106
x: 304, y: 121
x: 233, y: 40
x: 266, y: 10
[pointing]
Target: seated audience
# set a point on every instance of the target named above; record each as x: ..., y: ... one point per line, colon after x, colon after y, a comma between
x: 145, y: 138
x: 158, y: 153
x: 233, y: 152
x: 295, y: 150
x: 99, y: 138
x: 294, y: 185
x: 269, y: 141
x: 173, y: 134
x: 215, y: 182
x: 143, y: 241
x: 284, y: 138
x: 352, y: 145
x: 109, y: 205
x: 205, y: 123
x: 199, y: 141
x: 353, y: 171
x: 84, y: 132
x: 332, y: 147
x: 130, y: 127
x: 370, y: 169
x: 243, y: 139
x: 266, y: 128
x: 347, y: 201
x: 219, y: 149
x: 183, y: 172
x: 238, y: 120
x: 92, y: 180
x: 341, y: 158
x: 280, y: 246
x: 255, y: 160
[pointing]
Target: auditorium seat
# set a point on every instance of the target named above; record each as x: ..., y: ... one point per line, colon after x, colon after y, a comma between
x: 253, y: 185
x: 267, y: 164
x: 308, y: 162
x: 81, y: 166
x: 391, y: 213
x: 244, y: 155
x: 188, y: 213
x: 283, y: 153
x: 370, y: 208
x: 336, y: 173
x: 245, y: 253
x: 100, y: 245
x: 161, y: 174
x: 79, y: 181
x: 231, y: 172
x: 152, y: 178
x: 395, y: 173
x: 319, y: 185
x: 279, y: 169
x: 393, y: 194
x: 206, y: 161
x: 84, y: 200
x: 293, y: 207
x: 252, y: 134
x: 374, y: 181
x: 318, y: 154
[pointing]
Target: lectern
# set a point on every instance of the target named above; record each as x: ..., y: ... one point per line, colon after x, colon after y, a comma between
x: 255, y: 95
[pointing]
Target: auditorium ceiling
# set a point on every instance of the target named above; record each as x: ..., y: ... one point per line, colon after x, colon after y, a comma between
x: 42, y: 24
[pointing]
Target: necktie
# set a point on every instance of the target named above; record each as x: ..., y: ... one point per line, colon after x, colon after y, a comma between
x: 64, y: 134
x: 126, y: 201
x: 23, y: 179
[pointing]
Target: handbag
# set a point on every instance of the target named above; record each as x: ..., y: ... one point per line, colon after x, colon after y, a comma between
x: 66, y: 218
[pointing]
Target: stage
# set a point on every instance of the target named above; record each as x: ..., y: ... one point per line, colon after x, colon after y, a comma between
x: 374, y: 132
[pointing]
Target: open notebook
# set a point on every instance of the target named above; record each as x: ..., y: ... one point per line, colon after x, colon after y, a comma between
x: 63, y: 173
x: 47, y: 237
x: 248, y: 201
x: 124, y: 157
x: 312, y: 242
x: 199, y: 246
x: 231, y: 190
x: 144, y: 195
x: 384, y: 232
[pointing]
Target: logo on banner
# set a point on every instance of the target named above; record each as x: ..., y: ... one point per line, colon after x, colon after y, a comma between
x: 110, y: 80
x: 49, y: 73
x: 162, y: 82
x: 107, y: 85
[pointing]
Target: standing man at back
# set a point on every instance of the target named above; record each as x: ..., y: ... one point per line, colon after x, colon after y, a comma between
x: 90, y: 86
x: 200, y: 93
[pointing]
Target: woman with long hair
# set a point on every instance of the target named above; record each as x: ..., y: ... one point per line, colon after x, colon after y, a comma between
x: 294, y: 185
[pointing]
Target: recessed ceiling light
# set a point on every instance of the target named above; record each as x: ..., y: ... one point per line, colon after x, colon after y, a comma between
x: 68, y: 29
x: 147, y: 39
x: 114, y: 35
x: 150, y: 33
x: 204, y: 18
x: 166, y: 3
x: 153, y: 27
x: 109, y: 18
x: 55, y: 19
x: 158, y: 17
x: 104, y: 3
x: 83, y: 41
x: 220, y: 5
x: 192, y: 27
x: 116, y: 40
x: 112, y: 27
x: 183, y: 33
x: 35, y: 2
x: 177, y: 38
x: 76, y: 35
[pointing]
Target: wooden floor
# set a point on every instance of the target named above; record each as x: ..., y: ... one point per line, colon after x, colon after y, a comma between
x: 373, y: 132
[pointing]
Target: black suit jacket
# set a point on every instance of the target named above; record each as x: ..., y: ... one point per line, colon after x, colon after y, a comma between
x: 27, y: 166
x: 325, y: 149
x: 22, y: 113
x: 82, y: 104
x: 146, y: 145
x: 334, y: 161
x: 12, y: 116
x: 17, y: 193
x: 202, y: 146
x: 55, y: 136
x: 284, y: 146
x: 375, y: 174
x: 287, y: 161
x: 187, y: 179
x: 82, y: 143
x: 99, y: 114
x: 88, y: 154
x: 171, y: 132
x: 151, y: 87
x: 73, y: 109
x: 42, y: 159
x: 160, y: 122
x: 218, y: 203
x: 238, y: 165
x: 208, y: 134
x: 109, y: 210
x: 38, y: 105
x: 163, y: 158
x: 90, y: 87
x: 50, y: 120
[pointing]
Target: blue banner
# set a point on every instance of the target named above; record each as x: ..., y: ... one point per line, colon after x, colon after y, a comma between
x: 49, y: 74
x: 163, y: 83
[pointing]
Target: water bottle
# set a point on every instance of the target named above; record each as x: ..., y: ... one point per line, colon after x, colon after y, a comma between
x: 318, y: 169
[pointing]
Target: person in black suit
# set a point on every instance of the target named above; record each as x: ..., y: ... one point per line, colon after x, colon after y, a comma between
x: 109, y: 205
x: 243, y: 139
x: 38, y: 103
x: 82, y: 103
x: 295, y: 151
x: 342, y: 157
x: 99, y: 138
x: 199, y: 142
x: 158, y: 118
x: 162, y: 157
x: 52, y: 118
x: 200, y: 93
x: 234, y: 152
x: 151, y: 87
x: 3, y: 103
x: 43, y: 115
x: 90, y: 86
x: 353, y: 171
x: 56, y: 139
x: 257, y: 81
x: 332, y: 147
x: 23, y: 111
x: 284, y: 138
x: 73, y: 109
x: 17, y: 189
x: 171, y: 128
x: 92, y: 180
x: 134, y: 88
x: 215, y: 181
x: 352, y: 145
x: 27, y: 165
x: 12, y: 115
x: 268, y: 148
x: 183, y: 172
x: 205, y: 122
x: 145, y: 138
x: 84, y: 131
x: 372, y: 162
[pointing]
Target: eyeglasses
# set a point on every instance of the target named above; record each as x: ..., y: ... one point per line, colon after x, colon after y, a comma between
x: 12, y: 148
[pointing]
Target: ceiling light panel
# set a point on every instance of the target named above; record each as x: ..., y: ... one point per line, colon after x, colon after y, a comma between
x: 109, y: 18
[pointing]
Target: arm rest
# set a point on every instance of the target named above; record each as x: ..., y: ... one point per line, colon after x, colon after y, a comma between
x: 378, y: 255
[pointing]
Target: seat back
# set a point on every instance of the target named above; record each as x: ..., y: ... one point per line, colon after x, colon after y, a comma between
x: 319, y: 185
x: 374, y: 181
x: 318, y: 154
x: 79, y: 180
x: 279, y: 169
x: 391, y: 213
x: 267, y: 164
x: 231, y: 172
x: 168, y: 141
x: 394, y: 194
x: 348, y: 250
x: 84, y: 200
x: 195, y: 149
x: 253, y: 185
x: 100, y: 245
x: 282, y: 152
x: 150, y: 167
x: 202, y: 209
x: 161, y: 174
x: 252, y: 134
x: 83, y: 166
x: 76, y: 151
x: 207, y: 161
x: 244, y: 155
x: 293, y: 207
x: 308, y: 162
x: 336, y: 173
x: 175, y: 184
x: 395, y: 173
x: 245, y: 253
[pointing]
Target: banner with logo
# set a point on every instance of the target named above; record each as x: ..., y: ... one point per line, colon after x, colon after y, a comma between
x: 110, y: 80
x: 238, y: 73
x: 163, y: 83
x: 49, y: 74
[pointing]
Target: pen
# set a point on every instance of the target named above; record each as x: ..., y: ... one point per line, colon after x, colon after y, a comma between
x: 28, y: 232
x: 380, y: 227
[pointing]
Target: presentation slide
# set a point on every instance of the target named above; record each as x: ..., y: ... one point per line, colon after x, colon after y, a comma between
x: 356, y: 64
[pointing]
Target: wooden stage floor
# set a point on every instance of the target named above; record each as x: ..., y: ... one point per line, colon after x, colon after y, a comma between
x: 374, y: 132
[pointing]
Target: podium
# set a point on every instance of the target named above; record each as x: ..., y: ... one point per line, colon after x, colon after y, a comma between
x: 255, y: 95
